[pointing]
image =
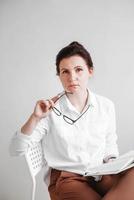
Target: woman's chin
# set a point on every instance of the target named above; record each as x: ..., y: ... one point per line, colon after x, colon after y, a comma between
x: 72, y: 89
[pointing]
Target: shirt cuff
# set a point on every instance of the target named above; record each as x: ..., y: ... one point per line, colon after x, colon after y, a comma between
x: 22, y: 135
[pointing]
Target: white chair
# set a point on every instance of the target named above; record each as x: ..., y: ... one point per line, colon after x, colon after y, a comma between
x: 35, y: 160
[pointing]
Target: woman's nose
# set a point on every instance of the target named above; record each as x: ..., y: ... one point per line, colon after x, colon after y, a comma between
x: 73, y: 76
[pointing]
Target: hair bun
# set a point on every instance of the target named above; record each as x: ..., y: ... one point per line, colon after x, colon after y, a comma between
x: 75, y: 43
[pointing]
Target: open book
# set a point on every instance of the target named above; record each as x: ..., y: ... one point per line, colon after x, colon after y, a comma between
x: 116, y: 166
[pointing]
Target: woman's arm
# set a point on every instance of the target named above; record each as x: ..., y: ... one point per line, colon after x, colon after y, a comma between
x: 33, y: 130
x: 41, y: 110
x: 30, y: 125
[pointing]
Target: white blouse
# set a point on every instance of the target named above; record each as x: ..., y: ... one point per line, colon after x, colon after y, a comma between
x: 75, y: 148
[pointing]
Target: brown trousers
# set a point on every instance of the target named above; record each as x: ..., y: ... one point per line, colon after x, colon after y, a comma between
x: 71, y: 186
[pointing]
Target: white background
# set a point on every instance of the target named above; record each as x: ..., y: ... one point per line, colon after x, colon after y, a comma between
x: 31, y: 34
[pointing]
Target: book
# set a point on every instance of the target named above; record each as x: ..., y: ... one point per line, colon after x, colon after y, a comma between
x: 116, y: 166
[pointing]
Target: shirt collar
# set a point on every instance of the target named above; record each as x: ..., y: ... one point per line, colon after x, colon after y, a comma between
x: 66, y: 104
x: 91, y: 98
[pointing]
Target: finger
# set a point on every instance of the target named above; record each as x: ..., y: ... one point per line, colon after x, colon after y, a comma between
x: 51, y: 103
x: 54, y: 99
x: 45, y: 102
x: 44, y: 105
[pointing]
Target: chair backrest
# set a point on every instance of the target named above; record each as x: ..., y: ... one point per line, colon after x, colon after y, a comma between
x: 35, y: 160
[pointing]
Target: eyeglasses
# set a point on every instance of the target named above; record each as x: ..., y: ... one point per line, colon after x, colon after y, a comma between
x: 66, y: 118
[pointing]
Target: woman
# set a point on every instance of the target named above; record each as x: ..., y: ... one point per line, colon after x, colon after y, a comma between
x: 78, y: 127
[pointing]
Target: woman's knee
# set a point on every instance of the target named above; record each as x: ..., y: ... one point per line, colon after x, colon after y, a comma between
x: 76, y: 189
x: 128, y: 173
x: 107, y: 182
x: 131, y: 171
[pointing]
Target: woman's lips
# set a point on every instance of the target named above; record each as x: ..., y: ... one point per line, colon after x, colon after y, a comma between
x: 73, y: 85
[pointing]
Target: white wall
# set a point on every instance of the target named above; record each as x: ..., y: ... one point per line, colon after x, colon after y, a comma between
x: 31, y: 34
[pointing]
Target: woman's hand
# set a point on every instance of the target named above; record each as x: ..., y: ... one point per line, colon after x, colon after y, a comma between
x: 43, y: 107
x: 41, y: 110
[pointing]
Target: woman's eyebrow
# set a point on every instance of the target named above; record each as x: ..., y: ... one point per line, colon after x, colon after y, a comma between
x: 78, y: 66
x: 64, y: 68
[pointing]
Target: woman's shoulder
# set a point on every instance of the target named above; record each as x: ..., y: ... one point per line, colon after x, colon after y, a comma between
x: 102, y: 100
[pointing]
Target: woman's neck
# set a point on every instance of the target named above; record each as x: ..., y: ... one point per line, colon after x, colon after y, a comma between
x: 78, y: 99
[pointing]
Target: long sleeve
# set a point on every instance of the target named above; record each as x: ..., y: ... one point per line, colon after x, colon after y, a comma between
x: 21, y: 142
x: 111, y: 149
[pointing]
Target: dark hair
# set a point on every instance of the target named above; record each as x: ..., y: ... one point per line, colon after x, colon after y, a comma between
x: 74, y: 48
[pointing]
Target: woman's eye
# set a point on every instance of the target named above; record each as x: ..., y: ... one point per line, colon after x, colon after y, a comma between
x: 64, y: 72
x: 79, y: 69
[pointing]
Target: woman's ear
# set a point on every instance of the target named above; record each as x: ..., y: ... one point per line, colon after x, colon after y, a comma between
x: 91, y: 71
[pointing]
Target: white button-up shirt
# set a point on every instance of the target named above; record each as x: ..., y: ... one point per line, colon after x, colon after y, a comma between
x: 86, y: 143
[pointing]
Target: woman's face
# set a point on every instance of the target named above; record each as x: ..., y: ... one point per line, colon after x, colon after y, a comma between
x: 74, y: 73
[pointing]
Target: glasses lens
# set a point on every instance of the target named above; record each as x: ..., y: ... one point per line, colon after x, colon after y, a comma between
x: 57, y: 112
x: 68, y: 120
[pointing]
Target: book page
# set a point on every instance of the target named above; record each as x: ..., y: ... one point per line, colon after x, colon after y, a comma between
x: 120, y: 164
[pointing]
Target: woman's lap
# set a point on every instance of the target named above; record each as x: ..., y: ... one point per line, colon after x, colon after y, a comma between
x: 67, y: 185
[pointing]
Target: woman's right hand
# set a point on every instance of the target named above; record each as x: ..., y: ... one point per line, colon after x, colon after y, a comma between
x: 41, y: 110
x: 43, y: 107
